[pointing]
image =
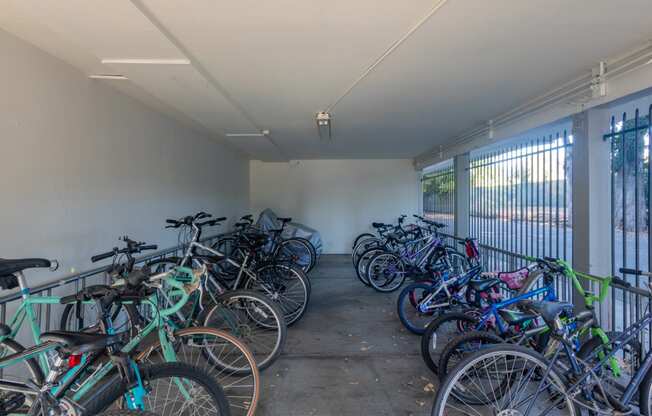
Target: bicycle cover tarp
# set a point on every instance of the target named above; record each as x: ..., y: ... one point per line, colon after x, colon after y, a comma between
x: 268, y: 221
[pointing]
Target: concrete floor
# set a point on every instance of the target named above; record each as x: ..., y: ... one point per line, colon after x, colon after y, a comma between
x: 349, y: 355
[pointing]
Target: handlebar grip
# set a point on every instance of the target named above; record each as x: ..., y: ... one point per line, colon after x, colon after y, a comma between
x: 220, y: 219
x: 625, y: 270
x: 620, y: 282
x: 149, y: 247
x: 103, y: 256
x: 169, y: 221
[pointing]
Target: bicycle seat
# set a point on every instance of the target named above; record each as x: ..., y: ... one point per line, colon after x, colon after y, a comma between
x: 8, y: 267
x: 80, y: 342
x: 377, y: 225
x: 284, y: 220
x: 549, y: 311
x: 513, y: 317
x: 483, y: 285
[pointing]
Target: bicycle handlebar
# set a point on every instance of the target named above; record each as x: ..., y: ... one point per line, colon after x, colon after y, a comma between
x: 132, y: 248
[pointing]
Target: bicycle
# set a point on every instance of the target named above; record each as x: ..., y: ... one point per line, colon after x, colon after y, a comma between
x: 285, y: 285
x: 70, y: 389
x: 511, y: 379
x: 222, y: 356
x: 294, y: 250
x: 387, y: 270
x: 249, y: 315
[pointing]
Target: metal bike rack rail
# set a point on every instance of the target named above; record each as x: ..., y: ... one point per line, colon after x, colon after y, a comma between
x: 74, y: 282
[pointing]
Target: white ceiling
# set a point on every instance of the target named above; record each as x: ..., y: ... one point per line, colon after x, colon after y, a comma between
x: 274, y: 64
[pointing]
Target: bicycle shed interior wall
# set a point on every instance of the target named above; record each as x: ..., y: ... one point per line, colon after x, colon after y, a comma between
x: 338, y: 198
x: 84, y: 164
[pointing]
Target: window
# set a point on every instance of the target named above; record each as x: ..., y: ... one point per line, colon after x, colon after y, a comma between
x: 438, y: 190
x: 521, y: 197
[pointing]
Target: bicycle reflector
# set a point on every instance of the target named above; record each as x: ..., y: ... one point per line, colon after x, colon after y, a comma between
x: 471, y: 247
x: 74, y: 360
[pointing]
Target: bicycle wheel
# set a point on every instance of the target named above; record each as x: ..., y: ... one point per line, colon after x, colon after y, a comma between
x: 361, y: 237
x: 128, y: 413
x: 252, y: 318
x: 221, y: 355
x: 13, y: 402
x: 439, y: 331
x: 455, y: 262
x: 408, y: 304
x: 173, y: 389
x: 503, y: 380
x: 297, y: 251
x: 386, y: 272
x: 363, y: 262
x: 463, y: 345
x: 124, y: 317
x: 284, y: 284
x: 363, y: 246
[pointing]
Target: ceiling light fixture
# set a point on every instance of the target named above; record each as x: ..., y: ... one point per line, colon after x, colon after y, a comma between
x: 324, y: 119
x: 107, y: 76
x: 147, y: 61
x: 261, y: 134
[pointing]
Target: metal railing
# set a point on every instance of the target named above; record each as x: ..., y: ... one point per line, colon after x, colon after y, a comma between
x: 520, y: 196
x: 73, y: 283
x: 438, y: 193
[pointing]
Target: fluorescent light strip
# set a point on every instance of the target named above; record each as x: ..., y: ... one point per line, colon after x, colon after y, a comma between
x: 261, y: 134
x: 107, y: 76
x: 147, y: 61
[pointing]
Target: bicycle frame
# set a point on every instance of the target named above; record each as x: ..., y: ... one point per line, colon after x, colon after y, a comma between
x: 632, y: 387
x: 492, y: 310
x: 25, y: 312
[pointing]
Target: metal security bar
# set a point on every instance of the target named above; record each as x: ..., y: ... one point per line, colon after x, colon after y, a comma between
x: 521, y: 198
x: 630, y: 208
x: 438, y: 190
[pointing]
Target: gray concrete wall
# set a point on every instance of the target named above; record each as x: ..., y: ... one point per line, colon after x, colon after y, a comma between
x: 83, y: 164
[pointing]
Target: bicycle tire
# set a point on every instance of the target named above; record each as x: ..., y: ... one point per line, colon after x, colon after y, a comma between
x: 115, y: 388
x: 68, y: 314
x: 240, y: 323
x: 359, y: 238
x: 239, y: 377
x: 453, y: 381
x: 405, y: 301
x: 286, y: 285
x: 363, y: 246
x: 299, y: 260
x: 394, y: 281
x: 446, y: 362
x: 430, y: 337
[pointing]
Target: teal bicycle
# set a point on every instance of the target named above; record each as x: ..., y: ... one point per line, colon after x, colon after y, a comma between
x: 80, y: 379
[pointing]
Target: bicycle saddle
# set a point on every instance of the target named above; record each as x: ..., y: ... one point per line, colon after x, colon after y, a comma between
x: 483, y: 284
x: 8, y: 267
x: 513, y: 317
x: 80, y: 342
x: 284, y: 220
x: 549, y: 311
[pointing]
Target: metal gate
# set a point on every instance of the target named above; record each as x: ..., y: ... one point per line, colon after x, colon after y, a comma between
x: 629, y: 134
x: 438, y: 191
x: 521, y: 198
